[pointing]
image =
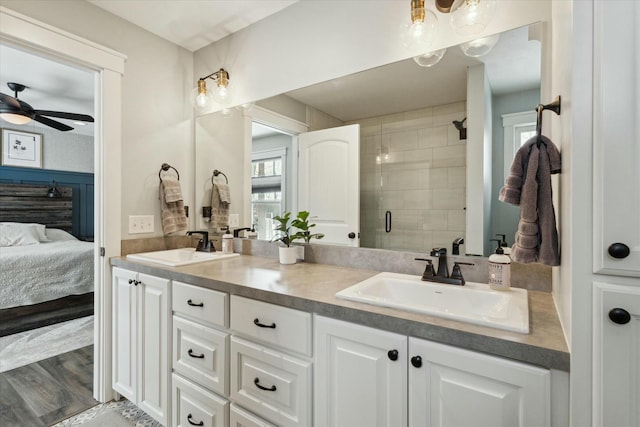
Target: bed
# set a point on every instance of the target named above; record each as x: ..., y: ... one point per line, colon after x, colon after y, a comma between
x: 46, y: 274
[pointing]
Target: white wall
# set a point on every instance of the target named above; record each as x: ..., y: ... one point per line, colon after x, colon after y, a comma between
x: 156, y: 114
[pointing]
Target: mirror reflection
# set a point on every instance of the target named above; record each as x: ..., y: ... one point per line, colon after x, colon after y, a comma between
x: 414, y: 160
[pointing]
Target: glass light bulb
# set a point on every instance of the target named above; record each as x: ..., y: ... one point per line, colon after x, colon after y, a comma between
x: 471, y: 17
x: 479, y: 47
x: 430, y: 59
x: 222, y: 94
x: 201, y: 100
x: 419, y: 35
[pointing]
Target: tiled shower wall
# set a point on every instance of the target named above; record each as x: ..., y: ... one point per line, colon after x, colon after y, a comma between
x: 413, y: 164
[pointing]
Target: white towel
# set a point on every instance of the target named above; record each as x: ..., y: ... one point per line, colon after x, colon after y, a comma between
x: 174, y: 217
x: 220, y: 201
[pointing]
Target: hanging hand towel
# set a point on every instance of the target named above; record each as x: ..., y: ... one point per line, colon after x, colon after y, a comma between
x: 529, y: 185
x: 173, y: 214
x: 220, y: 201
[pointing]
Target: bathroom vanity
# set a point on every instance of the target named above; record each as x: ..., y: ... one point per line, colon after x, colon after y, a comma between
x: 247, y: 341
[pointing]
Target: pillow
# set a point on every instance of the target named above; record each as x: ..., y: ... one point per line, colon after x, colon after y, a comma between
x: 16, y: 234
x: 57, y: 235
x: 40, y: 228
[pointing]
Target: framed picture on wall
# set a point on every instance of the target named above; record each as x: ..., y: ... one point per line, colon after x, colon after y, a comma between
x: 21, y: 148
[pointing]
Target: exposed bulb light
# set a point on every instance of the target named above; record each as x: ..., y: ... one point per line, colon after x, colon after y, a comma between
x: 421, y: 31
x: 202, y: 98
x: 430, y: 59
x: 471, y: 17
x: 479, y: 47
x: 15, y: 118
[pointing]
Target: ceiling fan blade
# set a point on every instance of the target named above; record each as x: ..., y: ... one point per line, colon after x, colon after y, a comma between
x: 9, y: 100
x: 54, y: 124
x: 63, y: 115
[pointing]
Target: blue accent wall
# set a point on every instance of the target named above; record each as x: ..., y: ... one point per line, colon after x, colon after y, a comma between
x: 81, y: 183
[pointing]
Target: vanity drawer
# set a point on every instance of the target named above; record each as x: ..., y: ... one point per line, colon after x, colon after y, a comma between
x: 200, y: 354
x: 273, y: 324
x: 241, y: 418
x: 193, y: 405
x: 271, y: 384
x: 205, y: 305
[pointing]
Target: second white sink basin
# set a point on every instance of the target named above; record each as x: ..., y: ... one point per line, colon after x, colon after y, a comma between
x: 473, y: 303
x: 178, y: 257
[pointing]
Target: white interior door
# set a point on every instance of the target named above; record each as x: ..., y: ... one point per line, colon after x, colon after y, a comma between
x: 329, y: 182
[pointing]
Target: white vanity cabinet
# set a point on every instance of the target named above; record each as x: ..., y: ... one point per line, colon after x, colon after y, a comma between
x: 141, y: 319
x: 363, y: 376
x: 200, y: 356
x: 271, y: 370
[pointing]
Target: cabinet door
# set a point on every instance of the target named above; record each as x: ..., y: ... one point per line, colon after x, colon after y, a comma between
x: 616, y: 356
x: 153, y: 349
x: 124, y: 332
x: 361, y: 376
x: 455, y: 387
x: 616, y: 114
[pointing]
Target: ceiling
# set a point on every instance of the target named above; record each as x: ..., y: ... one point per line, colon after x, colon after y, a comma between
x: 196, y: 23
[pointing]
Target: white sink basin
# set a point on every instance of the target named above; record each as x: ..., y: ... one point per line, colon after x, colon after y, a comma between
x: 473, y: 303
x: 178, y: 257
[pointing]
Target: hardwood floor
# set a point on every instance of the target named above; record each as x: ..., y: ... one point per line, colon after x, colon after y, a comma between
x: 45, y: 392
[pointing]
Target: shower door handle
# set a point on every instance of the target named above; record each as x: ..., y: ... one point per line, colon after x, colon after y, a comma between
x: 387, y: 222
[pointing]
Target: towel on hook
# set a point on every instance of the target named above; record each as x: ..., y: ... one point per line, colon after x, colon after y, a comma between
x: 220, y: 201
x: 529, y: 185
x: 173, y: 215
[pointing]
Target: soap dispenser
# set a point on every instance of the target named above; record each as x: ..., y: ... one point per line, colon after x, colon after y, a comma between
x: 499, y: 269
x: 253, y: 234
x: 227, y: 242
x: 505, y: 246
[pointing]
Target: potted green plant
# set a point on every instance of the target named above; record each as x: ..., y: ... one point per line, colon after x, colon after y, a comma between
x: 286, y: 236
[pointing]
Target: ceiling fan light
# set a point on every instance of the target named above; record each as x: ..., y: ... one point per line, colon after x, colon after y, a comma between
x: 471, y: 17
x: 479, y: 47
x: 15, y: 118
x: 430, y: 59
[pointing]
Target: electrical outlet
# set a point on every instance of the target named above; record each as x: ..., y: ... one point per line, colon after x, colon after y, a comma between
x: 141, y: 224
x: 234, y: 220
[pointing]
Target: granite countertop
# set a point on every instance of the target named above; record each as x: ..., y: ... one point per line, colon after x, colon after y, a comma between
x: 312, y: 287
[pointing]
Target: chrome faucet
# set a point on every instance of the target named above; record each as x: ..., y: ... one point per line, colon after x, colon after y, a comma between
x: 442, y: 274
x: 204, y: 245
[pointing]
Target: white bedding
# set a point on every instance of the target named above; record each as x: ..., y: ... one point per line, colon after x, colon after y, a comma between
x: 46, y: 271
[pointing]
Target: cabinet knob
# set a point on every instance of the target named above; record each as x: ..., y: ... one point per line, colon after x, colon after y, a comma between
x: 416, y: 361
x: 619, y: 315
x: 131, y: 281
x: 351, y: 235
x: 619, y: 250
x: 393, y: 355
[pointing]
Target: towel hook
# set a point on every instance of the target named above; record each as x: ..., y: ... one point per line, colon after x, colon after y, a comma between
x: 165, y: 167
x: 554, y: 106
x: 216, y: 172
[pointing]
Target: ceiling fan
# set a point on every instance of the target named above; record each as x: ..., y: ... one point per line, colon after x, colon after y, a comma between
x: 18, y: 112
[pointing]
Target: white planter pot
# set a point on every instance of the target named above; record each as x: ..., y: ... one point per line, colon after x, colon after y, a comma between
x: 287, y: 255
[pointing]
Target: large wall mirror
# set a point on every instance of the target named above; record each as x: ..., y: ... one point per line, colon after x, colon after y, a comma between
x: 413, y: 161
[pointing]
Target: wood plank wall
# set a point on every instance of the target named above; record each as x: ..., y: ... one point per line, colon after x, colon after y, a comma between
x: 29, y: 203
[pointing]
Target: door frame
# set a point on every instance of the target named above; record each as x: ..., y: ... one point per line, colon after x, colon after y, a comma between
x: 28, y: 34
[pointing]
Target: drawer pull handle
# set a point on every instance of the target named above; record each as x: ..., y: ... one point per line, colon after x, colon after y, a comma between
x: 196, y: 356
x: 193, y: 304
x: 189, y: 417
x: 257, y: 383
x: 256, y: 322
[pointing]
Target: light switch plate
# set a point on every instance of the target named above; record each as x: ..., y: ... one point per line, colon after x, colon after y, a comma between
x: 141, y: 224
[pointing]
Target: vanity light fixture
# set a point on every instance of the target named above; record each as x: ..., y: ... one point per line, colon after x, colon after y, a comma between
x: 201, y: 98
x: 421, y: 31
x: 468, y: 17
x: 53, y: 192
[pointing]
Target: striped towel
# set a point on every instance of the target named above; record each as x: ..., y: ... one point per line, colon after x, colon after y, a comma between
x: 174, y: 217
x: 220, y: 201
